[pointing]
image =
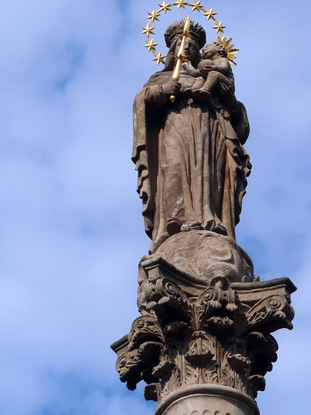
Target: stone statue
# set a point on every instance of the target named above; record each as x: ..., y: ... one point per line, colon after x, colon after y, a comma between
x: 203, y: 342
x: 189, y: 154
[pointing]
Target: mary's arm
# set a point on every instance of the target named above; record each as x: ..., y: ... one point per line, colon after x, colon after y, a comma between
x: 158, y: 95
x: 237, y: 112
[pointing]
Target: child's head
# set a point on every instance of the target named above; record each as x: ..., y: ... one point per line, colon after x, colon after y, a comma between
x: 213, y: 50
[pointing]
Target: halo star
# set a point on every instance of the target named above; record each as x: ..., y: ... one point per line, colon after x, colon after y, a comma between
x: 197, y: 6
x: 180, y: 3
x: 148, y: 30
x: 165, y: 7
x: 210, y: 14
x: 219, y: 27
x: 159, y: 58
x: 153, y: 16
x: 151, y: 45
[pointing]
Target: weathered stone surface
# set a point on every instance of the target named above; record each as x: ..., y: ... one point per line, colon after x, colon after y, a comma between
x: 203, y: 342
x: 214, y: 333
x: 205, y: 255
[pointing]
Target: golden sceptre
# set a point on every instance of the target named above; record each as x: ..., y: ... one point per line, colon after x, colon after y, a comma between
x: 180, y: 55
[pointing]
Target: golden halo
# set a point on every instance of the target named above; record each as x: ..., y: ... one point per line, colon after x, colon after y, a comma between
x: 196, y: 6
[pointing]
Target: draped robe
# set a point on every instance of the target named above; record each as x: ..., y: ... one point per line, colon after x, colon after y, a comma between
x: 191, y: 164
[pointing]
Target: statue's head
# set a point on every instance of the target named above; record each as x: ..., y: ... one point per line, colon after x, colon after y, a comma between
x: 194, y: 43
x: 214, y: 49
x: 176, y: 29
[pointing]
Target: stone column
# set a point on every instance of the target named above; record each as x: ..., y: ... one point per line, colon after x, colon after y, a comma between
x: 207, y: 400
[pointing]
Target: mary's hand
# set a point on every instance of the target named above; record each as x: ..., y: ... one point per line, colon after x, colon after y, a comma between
x: 190, y: 69
x: 171, y: 88
x: 227, y: 96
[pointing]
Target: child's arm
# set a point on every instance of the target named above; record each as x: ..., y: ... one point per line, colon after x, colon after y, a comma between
x: 191, y: 70
x: 221, y: 65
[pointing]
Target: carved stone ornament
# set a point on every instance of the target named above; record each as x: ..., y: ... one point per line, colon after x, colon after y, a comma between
x: 190, y: 334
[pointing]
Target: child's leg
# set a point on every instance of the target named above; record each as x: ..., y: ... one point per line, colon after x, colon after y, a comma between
x: 198, y: 84
x: 213, y: 79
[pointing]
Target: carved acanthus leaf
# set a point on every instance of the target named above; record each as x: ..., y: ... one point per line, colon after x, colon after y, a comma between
x: 200, y: 350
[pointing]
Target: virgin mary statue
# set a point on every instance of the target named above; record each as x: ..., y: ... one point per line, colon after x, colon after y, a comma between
x: 189, y: 154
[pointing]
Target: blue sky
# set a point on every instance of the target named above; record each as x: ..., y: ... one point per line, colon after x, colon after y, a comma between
x: 71, y: 231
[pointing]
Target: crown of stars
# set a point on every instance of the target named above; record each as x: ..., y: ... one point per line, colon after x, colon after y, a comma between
x: 153, y: 16
x: 209, y: 14
x: 159, y: 58
x: 148, y: 30
x: 151, y: 45
x: 219, y: 27
x: 165, y: 7
x: 180, y: 3
x: 196, y: 5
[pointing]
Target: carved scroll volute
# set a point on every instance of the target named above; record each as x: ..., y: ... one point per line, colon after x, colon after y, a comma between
x: 273, y: 312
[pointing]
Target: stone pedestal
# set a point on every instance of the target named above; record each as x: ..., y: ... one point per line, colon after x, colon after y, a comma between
x: 207, y: 400
x: 203, y: 343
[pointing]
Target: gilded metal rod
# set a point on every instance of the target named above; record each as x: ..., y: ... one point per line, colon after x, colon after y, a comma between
x: 180, y: 55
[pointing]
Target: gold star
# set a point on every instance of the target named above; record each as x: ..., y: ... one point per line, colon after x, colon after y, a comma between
x: 153, y: 16
x: 148, y: 30
x: 150, y: 45
x: 231, y: 50
x: 179, y: 4
x: 165, y: 7
x: 159, y: 58
x: 209, y: 14
x: 197, y: 6
x: 219, y: 27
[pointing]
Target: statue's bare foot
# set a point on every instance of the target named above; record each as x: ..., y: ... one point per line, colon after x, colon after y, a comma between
x: 186, y: 227
x: 204, y: 92
x: 197, y: 94
x: 191, y: 226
